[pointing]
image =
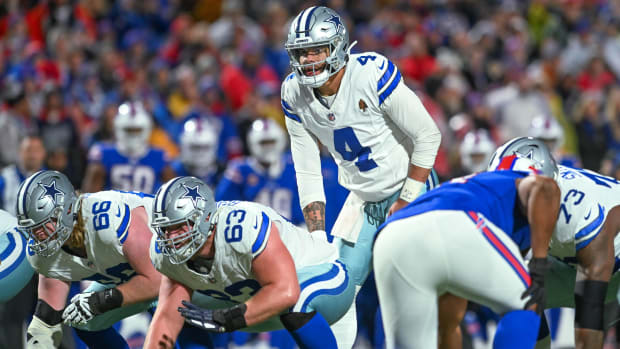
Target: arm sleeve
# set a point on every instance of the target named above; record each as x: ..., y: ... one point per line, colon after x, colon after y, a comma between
x: 409, y: 114
x: 307, y: 161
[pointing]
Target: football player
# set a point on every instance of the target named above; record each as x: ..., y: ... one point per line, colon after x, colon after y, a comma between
x: 15, y: 271
x: 267, y: 176
x: 130, y: 164
x: 103, y: 237
x: 254, y: 269
x: 465, y: 238
x: 199, y: 141
x: 357, y: 106
x: 585, y: 235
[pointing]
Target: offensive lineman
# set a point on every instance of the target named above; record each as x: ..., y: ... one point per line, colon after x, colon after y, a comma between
x: 101, y: 237
x: 357, y: 107
x: 257, y: 269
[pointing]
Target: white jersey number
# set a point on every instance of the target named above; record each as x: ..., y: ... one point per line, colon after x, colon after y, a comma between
x: 127, y: 177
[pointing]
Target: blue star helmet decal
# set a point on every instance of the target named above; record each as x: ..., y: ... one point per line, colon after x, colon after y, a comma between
x: 192, y: 193
x: 336, y: 21
x: 51, y: 191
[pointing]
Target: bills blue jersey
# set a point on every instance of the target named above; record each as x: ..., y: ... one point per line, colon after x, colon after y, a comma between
x: 10, y: 179
x: 493, y: 194
x: 181, y: 170
x: 129, y: 174
x: 246, y: 180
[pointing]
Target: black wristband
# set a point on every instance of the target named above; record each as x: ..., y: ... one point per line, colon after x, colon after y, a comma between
x: 47, y: 314
x: 232, y: 318
x: 538, y: 267
x: 589, y: 304
x: 107, y: 300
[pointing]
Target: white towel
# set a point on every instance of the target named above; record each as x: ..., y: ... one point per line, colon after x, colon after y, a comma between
x: 350, y: 220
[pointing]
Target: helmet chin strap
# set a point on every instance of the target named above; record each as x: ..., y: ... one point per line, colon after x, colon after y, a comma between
x: 351, y: 46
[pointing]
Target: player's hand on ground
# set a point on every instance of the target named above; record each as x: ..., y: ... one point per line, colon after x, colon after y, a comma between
x: 203, y: 318
x: 538, y: 267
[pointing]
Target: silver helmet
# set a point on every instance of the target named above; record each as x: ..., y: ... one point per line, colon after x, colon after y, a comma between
x: 183, y: 200
x: 315, y: 27
x: 526, y: 148
x: 45, y: 203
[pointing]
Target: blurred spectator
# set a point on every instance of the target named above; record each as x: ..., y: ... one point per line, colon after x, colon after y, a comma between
x: 31, y: 159
x: 593, y: 130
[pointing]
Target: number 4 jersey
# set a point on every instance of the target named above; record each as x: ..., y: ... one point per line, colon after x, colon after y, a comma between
x: 106, y: 216
x: 586, y: 199
x: 369, y: 128
x: 243, y: 230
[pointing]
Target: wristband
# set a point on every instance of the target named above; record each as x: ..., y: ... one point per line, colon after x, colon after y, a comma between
x: 108, y: 299
x: 232, y: 318
x: 411, y: 189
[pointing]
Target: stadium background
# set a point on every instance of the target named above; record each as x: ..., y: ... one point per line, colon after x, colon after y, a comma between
x: 66, y: 65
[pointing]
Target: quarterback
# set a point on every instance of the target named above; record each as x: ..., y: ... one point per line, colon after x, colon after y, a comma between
x: 101, y: 237
x: 252, y: 269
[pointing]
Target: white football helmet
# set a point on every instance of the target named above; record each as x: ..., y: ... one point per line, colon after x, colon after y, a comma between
x: 266, y: 140
x: 199, y: 146
x: 548, y: 130
x: 314, y: 27
x: 132, y: 129
x: 476, y: 150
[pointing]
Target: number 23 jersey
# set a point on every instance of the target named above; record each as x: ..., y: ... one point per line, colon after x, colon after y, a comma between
x: 243, y: 229
x: 106, y: 216
x: 586, y: 199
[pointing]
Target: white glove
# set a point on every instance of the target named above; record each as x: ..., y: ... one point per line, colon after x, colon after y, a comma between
x: 42, y: 335
x: 80, y: 311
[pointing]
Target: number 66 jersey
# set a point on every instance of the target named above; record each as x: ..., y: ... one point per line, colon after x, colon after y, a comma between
x: 106, y: 216
x: 587, y: 197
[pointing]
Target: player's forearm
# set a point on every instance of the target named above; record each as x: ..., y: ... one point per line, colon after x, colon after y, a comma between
x: 140, y: 288
x: 270, y: 301
x: 314, y: 214
x: 164, y: 329
x: 53, y: 292
x: 588, y: 339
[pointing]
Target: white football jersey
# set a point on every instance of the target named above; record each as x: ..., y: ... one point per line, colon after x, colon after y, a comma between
x: 586, y: 199
x: 106, y: 216
x: 372, y: 152
x: 243, y: 229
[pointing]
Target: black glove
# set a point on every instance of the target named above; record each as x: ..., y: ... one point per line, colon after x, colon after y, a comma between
x: 219, y: 320
x: 538, y: 268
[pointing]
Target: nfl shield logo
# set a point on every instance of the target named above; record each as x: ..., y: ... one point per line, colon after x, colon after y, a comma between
x: 331, y: 117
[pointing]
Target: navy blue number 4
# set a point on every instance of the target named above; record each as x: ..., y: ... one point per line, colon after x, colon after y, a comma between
x: 349, y: 147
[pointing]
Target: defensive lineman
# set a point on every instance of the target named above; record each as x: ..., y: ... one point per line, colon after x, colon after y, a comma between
x: 465, y: 238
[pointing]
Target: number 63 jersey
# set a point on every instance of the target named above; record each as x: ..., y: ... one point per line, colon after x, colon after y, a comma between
x: 586, y: 199
x: 106, y: 216
x: 242, y: 232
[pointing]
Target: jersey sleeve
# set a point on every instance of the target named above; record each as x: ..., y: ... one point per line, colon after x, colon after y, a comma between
x: 95, y: 153
x: 231, y: 184
x: 108, y: 217
x: 404, y: 107
x: 247, y: 230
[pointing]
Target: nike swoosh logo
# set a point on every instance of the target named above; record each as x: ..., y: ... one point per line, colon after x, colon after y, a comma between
x: 118, y: 214
x: 256, y: 223
x: 382, y: 64
x: 588, y: 216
